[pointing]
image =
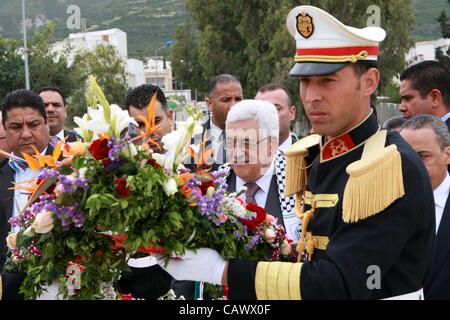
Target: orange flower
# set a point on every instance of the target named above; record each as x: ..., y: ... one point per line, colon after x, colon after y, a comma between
x: 39, y: 161
x: 149, y: 125
x: 204, y: 156
x: 184, y: 178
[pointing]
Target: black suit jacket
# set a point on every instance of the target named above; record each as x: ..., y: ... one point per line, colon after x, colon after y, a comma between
x: 437, y: 283
x: 208, y: 145
x: 272, y: 203
x: 10, y: 282
x: 6, y: 202
x: 72, y: 136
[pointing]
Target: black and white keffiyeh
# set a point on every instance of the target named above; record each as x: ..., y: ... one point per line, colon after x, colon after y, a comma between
x: 287, y: 204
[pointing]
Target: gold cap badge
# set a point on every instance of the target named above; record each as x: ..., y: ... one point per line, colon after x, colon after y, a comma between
x: 304, y: 24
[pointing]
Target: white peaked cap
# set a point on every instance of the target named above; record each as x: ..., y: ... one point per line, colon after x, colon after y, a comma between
x: 325, y: 45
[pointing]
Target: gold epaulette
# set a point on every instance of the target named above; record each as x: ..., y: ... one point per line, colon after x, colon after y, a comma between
x: 296, y: 166
x: 375, y: 181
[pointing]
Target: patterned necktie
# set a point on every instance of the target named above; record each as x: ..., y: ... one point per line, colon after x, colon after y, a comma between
x: 54, y: 140
x: 252, y: 189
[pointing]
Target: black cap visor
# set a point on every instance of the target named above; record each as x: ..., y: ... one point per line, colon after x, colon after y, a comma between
x: 315, y: 68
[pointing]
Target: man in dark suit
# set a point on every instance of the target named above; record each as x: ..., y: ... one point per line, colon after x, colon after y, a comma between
x: 429, y: 136
x: 280, y: 96
x: 223, y: 92
x: 25, y: 122
x: 425, y: 88
x: 257, y: 163
x: 56, y: 108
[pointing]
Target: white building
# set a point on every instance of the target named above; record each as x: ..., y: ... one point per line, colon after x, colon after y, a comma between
x: 159, y: 73
x: 424, y: 50
x: 115, y: 37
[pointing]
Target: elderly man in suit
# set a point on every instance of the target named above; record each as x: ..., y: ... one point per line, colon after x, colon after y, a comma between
x: 256, y: 163
x: 56, y: 108
x: 428, y: 135
x: 25, y: 122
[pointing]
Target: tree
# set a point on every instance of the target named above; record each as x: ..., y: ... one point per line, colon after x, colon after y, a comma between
x: 48, y: 67
x: 184, y: 58
x: 105, y: 63
x: 249, y: 39
x: 11, y: 66
x: 441, y: 56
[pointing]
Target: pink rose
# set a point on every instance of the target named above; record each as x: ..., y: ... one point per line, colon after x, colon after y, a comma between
x: 11, y: 240
x: 43, y: 222
x: 269, y: 235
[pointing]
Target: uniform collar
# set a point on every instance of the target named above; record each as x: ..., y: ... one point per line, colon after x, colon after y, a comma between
x: 349, y: 140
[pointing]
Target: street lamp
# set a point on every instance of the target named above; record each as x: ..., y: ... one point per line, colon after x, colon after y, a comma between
x: 168, y: 43
x: 27, y: 78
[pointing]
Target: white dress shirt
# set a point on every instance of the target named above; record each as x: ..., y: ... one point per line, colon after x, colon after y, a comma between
x: 263, y: 184
x: 21, y: 196
x: 215, y: 136
x: 440, y: 198
x: 286, y: 144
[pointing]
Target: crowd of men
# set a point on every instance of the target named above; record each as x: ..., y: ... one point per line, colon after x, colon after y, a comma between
x: 399, y: 222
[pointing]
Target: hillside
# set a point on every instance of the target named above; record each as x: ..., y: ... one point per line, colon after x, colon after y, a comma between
x: 426, y: 13
x: 149, y: 24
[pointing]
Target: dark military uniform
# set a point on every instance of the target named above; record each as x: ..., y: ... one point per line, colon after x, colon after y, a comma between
x: 396, y: 242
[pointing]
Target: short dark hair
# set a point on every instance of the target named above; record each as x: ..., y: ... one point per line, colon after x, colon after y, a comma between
x: 428, y: 75
x: 361, y: 66
x: 393, y: 122
x: 436, y: 124
x: 23, y: 98
x: 52, y: 88
x: 276, y: 86
x: 221, y: 78
x: 140, y: 96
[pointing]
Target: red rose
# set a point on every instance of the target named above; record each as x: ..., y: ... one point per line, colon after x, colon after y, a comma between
x: 100, y: 150
x: 261, y: 215
x: 153, y: 163
x: 205, y: 185
x: 121, y: 188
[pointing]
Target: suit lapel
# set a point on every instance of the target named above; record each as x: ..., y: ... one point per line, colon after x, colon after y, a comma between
x: 7, y: 176
x: 231, y: 182
x: 443, y: 235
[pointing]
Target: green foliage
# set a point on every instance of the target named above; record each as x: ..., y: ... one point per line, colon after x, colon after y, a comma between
x: 11, y: 66
x: 249, y: 39
x: 50, y: 68
x: 441, y: 56
x: 107, y: 66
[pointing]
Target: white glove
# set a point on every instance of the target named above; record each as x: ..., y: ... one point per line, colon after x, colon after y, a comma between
x: 206, y: 265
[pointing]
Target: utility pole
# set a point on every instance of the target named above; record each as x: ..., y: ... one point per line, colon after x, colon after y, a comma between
x: 27, y: 77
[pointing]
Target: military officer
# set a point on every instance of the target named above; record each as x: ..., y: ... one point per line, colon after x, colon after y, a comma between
x: 364, y: 196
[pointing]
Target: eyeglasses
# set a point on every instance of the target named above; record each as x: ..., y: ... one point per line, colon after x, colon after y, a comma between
x: 242, y: 144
